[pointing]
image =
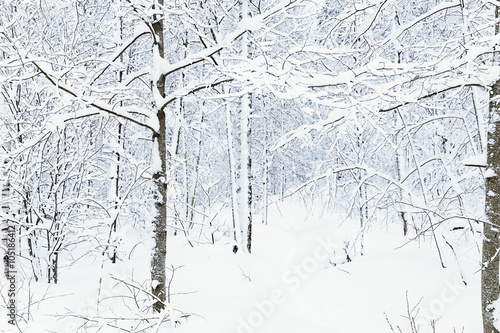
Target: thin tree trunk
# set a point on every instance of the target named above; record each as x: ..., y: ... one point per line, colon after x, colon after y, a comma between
x: 158, y: 257
x: 401, y: 171
x: 194, y: 185
x: 232, y: 179
x: 5, y: 209
x: 246, y: 198
x: 363, y: 199
x: 116, y: 185
x: 265, y: 179
x: 399, y: 158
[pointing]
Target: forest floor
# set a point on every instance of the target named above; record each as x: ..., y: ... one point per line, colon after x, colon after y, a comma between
x: 305, y: 274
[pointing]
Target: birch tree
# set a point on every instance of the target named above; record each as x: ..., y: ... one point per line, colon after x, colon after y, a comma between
x: 245, y: 179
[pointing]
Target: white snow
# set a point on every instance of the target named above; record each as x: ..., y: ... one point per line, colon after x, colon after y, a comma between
x: 297, y: 280
x: 251, y: 23
x: 478, y: 160
x: 490, y: 173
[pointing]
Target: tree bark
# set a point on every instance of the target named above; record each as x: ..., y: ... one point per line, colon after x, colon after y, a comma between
x: 246, y: 196
x: 5, y: 223
x: 490, y: 288
x: 232, y: 179
x: 159, y: 254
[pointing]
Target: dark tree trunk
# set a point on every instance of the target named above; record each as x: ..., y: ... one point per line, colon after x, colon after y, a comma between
x: 490, y: 288
x: 158, y: 257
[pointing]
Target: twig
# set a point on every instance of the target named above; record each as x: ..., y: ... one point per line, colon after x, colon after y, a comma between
x: 244, y: 274
x: 388, y: 322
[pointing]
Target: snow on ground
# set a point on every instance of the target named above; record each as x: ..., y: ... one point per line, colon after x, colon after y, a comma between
x: 297, y: 279
x: 289, y: 283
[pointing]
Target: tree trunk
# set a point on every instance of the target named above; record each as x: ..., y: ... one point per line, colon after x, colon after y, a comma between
x: 232, y: 179
x: 265, y: 178
x: 246, y: 197
x: 192, y: 194
x: 116, y: 189
x: 4, y: 222
x: 399, y: 155
x: 158, y: 257
x: 490, y: 288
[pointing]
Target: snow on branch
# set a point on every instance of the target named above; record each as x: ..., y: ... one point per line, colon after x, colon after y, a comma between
x: 162, y: 67
x: 442, y: 6
x: 121, y: 112
x: 118, y: 53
